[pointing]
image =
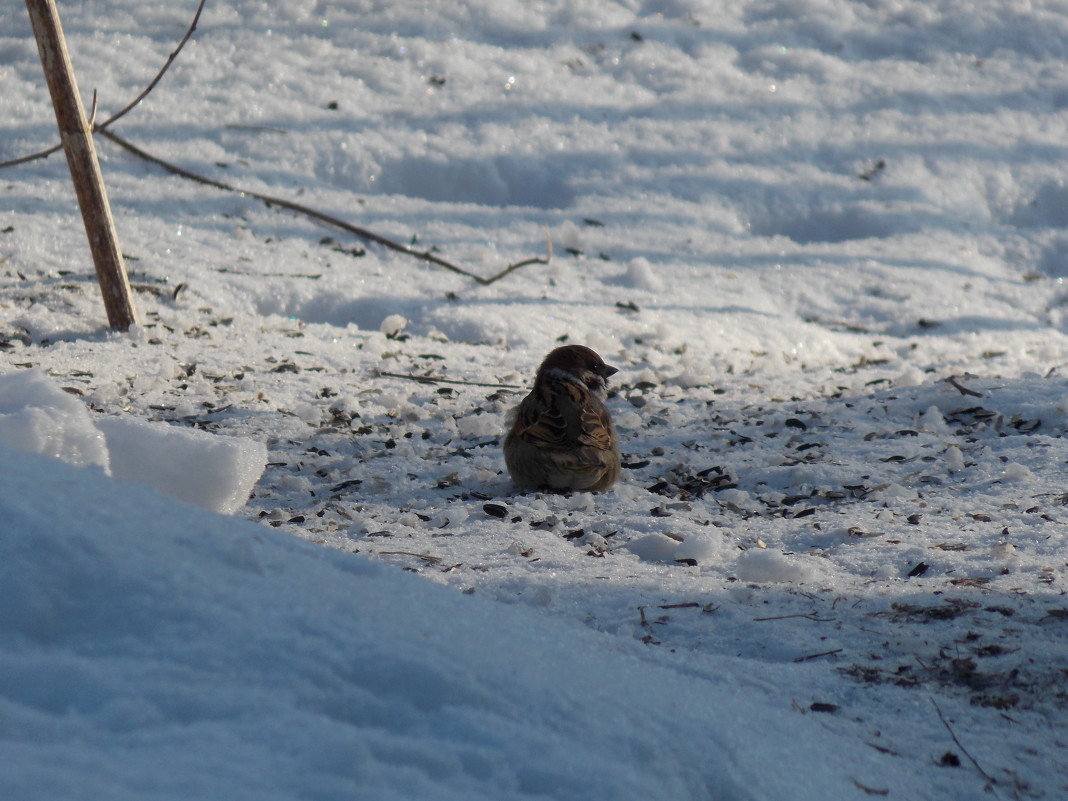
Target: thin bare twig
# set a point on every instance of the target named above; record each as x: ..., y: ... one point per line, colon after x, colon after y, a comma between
x: 363, y: 233
x: 159, y: 75
x: 328, y: 219
x: 128, y: 107
x: 43, y: 154
x: 993, y: 782
x: 963, y: 390
x: 810, y: 657
x: 871, y: 790
x: 433, y: 379
x: 424, y: 556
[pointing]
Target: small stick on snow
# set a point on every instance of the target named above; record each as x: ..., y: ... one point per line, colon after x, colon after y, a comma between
x: 362, y: 233
x: 327, y: 219
x: 433, y: 379
x: 424, y: 556
x: 152, y: 84
x: 953, y: 382
x: 810, y: 657
x: 953, y: 735
x: 871, y: 790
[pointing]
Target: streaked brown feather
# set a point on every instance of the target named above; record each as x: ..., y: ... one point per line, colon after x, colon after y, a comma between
x: 562, y: 436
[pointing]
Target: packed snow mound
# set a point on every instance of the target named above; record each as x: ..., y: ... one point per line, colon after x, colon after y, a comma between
x: 37, y: 416
x: 212, y: 471
x: 762, y: 566
x: 216, y: 472
x: 825, y: 244
x: 136, y: 632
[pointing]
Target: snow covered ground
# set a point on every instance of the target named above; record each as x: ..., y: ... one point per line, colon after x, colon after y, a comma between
x: 824, y: 241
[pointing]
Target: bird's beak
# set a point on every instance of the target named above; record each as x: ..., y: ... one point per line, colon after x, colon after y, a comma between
x: 609, y: 370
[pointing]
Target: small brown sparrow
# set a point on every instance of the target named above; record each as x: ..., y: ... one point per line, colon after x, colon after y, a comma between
x: 561, y: 436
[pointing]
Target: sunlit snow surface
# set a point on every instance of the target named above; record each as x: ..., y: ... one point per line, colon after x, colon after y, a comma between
x: 824, y: 242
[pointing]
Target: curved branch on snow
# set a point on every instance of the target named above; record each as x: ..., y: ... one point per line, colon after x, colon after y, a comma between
x: 159, y: 75
x: 362, y: 233
x: 328, y: 219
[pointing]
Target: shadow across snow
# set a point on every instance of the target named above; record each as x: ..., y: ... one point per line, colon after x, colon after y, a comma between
x: 499, y: 181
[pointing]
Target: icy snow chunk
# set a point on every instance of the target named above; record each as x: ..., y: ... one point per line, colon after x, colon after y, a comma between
x: 702, y: 548
x: 297, y: 485
x: 309, y: 413
x: 393, y: 325
x: 933, y: 422
x: 579, y: 502
x: 481, y: 475
x: 458, y: 515
x: 648, y: 376
x: 1003, y: 551
x: 954, y: 459
x: 602, y: 342
x: 1016, y: 472
x: 137, y: 333
x: 453, y: 516
x: 894, y: 492
x: 654, y: 548
x: 630, y: 492
x: 737, y: 500
x: 628, y: 421
x: 106, y: 394
x: 394, y: 401
x: 37, y: 416
x: 475, y: 426
x: 765, y: 565
x: 569, y: 237
x: 206, y: 469
x: 694, y: 375
x: 595, y: 541
x: 216, y: 472
x: 885, y: 570
x: 911, y: 376
x: 185, y: 408
x: 640, y: 275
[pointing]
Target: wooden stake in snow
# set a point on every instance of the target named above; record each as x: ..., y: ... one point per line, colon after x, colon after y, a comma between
x: 77, y: 141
